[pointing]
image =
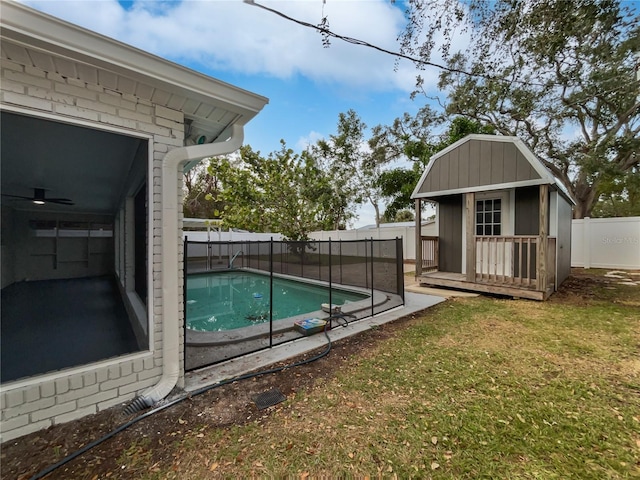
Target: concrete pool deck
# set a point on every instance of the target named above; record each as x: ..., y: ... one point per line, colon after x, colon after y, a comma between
x: 414, y: 302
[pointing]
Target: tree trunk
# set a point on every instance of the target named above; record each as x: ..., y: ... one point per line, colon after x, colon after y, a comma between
x: 377, y: 209
x: 585, y: 197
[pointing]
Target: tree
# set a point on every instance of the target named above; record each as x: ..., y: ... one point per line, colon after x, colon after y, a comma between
x: 619, y: 196
x: 350, y: 163
x: 400, y: 216
x: 559, y: 75
x: 202, y: 193
x: 413, y: 137
x: 285, y: 192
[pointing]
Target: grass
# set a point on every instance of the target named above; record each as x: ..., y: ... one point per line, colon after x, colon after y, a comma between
x: 474, y: 388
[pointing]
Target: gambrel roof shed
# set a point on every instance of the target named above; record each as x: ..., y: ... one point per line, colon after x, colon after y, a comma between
x: 503, y: 220
x: 478, y: 163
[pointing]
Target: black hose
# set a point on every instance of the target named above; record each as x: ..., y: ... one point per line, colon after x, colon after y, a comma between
x: 341, y: 318
x: 171, y: 403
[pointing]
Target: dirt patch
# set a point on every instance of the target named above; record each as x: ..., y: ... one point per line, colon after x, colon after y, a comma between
x: 219, y: 408
x: 590, y: 285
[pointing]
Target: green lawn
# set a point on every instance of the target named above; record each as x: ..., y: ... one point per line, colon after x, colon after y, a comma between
x: 474, y: 388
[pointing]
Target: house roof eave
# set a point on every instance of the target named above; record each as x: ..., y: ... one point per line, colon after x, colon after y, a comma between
x: 30, y: 28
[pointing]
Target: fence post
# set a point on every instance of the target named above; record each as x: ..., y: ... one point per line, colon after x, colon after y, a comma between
x: 340, y: 260
x: 372, y: 302
x: 330, y: 284
x: 586, y: 241
x: 366, y: 264
x: 400, y: 267
x: 320, y: 260
x: 271, y: 293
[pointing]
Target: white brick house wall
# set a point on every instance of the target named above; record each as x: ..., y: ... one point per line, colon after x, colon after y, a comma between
x: 35, y: 403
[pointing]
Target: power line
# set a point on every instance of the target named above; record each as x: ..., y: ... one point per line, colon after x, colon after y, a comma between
x: 324, y: 30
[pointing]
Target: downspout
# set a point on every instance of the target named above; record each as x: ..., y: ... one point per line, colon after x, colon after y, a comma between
x: 170, y: 273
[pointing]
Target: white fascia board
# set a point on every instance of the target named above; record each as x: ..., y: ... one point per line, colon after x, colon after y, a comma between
x: 35, y: 29
x: 483, y: 188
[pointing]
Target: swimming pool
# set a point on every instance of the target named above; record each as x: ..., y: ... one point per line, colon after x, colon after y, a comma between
x: 230, y: 300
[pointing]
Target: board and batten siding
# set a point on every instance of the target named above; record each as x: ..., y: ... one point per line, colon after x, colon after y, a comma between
x: 527, y: 214
x: 478, y: 163
x: 35, y: 403
x: 450, y: 233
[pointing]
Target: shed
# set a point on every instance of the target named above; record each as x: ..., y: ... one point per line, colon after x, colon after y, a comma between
x: 95, y: 137
x: 503, y: 220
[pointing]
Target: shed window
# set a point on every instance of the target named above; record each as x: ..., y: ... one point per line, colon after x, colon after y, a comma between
x: 489, y: 216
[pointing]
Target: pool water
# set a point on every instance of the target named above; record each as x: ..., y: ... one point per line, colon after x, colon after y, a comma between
x: 230, y: 300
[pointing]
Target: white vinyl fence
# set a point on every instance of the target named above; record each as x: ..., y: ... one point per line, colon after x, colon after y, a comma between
x: 383, y: 233
x: 595, y: 242
x: 216, y: 236
x: 606, y: 243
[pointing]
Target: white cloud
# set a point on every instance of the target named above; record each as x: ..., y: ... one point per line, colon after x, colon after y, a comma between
x: 366, y: 215
x: 237, y: 37
x: 310, y: 139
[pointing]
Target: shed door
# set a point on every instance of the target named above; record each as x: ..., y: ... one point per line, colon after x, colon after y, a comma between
x: 450, y: 233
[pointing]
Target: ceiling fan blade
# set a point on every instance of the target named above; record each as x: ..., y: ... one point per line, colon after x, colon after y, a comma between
x: 40, y: 198
x: 17, y: 196
x: 61, y: 201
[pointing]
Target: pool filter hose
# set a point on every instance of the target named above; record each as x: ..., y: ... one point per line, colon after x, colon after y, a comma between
x: 140, y: 403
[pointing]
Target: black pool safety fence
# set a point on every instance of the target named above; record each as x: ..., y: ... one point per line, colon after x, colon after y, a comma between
x: 245, y: 296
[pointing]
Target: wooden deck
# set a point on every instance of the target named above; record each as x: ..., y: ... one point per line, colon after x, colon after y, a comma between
x: 517, y: 265
x: 459, y: 281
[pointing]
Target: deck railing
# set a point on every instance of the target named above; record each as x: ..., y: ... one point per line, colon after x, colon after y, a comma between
x: 513, y: 260
x: 429, y: 254
x: 502, y: 260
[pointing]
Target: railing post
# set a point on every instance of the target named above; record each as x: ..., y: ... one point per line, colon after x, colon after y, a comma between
x: 418, y: 238
x: 470, y: 236
x: 541, y: 274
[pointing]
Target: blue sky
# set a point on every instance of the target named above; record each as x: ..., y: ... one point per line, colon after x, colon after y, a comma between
x: 307, y: 85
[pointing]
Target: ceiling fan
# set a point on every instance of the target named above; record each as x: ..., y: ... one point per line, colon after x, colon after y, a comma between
x: 40, y: 199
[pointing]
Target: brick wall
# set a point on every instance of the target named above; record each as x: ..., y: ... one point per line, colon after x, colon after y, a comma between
x: 39, y: 402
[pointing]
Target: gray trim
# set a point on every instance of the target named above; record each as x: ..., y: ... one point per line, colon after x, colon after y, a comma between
x: 480, y: 188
